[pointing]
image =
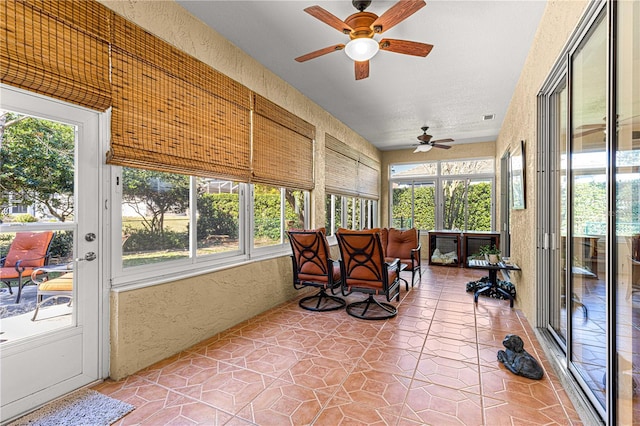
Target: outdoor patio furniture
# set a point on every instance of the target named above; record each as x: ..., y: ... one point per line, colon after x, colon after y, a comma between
x: 55, y: 281
x: 364, y: 270
x: 28, y: 251
x: 312, y: 267
x: 405, y: 245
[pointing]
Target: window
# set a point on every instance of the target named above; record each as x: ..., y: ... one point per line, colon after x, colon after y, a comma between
x: 455, y: 195
x: 277, y: 210
x: 350, y: 212
x: 183, y: 221
x: 155, y: 223
x: 218, y: 218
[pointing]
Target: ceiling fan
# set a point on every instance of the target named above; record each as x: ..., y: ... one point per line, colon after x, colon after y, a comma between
x: 589, y: 129
x: 362, y: 26
x: 426, y: 143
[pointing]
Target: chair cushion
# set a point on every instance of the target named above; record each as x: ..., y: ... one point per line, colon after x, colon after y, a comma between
x: 11, y: 273
x: 364, y: 283
x: 31, y: 247
x: 401, y: 243
x: 62, y: 283
x: 403, y: 261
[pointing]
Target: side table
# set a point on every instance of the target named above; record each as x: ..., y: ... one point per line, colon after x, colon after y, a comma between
x: 493, y: 269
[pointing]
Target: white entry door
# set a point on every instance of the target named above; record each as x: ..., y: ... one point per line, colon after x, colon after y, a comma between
x: 50, y: 182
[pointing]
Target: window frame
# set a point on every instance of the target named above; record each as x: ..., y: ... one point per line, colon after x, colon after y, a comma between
x: 193, y: 265
x: 438, y: 179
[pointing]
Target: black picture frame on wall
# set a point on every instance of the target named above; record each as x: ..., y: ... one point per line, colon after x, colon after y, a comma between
x: 518, y: 187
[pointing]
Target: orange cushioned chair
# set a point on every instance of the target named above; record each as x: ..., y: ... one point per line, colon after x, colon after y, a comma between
x: 312, y: 267
x: 28, y: 251
x: 53, y: 288
x: 405, y: 245
x: 364, y: 270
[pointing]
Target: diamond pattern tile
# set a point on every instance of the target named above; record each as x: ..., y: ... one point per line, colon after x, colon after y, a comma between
x: 435, y: 363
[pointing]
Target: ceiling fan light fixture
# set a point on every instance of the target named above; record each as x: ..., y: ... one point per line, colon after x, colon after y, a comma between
x: 423, y: 148
x: 361, y: 49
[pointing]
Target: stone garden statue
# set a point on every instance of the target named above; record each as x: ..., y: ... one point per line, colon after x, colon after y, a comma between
x: 517, y: 360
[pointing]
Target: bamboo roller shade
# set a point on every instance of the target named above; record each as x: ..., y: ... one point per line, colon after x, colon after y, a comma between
x: 57, y: 48
x: 168, y: 114
x: 170, y: 111
x: 348, y: 172
x: 282, y: 147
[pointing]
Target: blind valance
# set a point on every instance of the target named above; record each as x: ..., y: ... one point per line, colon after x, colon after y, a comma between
x: 173, y: 113
x: 282, y: 146
x: 349, y: 172
x: 58, y: 49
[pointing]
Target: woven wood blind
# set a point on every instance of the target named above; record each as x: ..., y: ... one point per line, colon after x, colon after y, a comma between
x: 57, y: 48
x: 348, y: 172
x: 341, y: 167
x: 173, y: 113
x: 282, y: 147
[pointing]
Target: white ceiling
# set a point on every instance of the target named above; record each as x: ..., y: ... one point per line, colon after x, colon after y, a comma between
x: 479, y: 50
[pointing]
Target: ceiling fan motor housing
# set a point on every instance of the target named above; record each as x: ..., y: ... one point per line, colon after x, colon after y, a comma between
x: 361, y: 24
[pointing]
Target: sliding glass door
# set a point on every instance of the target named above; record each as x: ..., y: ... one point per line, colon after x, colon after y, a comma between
x: 589, y: 209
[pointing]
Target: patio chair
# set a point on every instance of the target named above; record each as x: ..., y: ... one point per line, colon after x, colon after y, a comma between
x: 364, y: 270
x: 28, y: 251
x: 53, y: 281
x: 312, y: 267
x: 405, y: 245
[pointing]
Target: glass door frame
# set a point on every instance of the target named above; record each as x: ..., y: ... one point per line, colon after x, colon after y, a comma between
x: 546, y: 240
x: 90, y: 324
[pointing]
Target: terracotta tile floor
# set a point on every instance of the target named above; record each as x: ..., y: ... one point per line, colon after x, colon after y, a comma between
x: 435, y: 363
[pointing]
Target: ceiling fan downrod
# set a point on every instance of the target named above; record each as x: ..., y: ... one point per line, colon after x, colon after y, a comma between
x: 361, y: 5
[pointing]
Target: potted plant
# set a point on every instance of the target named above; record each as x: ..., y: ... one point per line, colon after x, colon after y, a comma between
x: 491, y: 253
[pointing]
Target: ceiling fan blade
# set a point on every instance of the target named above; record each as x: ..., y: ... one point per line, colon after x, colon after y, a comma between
x: 320, y: 52
x: 443, y: 140
x: 328, y: 18
x: 437, y: 145
x: 589, y: 132
x: 362, y: 69
x: 406, y: 47
x: 396, y: 13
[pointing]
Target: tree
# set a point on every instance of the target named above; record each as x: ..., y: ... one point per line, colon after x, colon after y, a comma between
x: 153, y: 194
x: 37, y: 164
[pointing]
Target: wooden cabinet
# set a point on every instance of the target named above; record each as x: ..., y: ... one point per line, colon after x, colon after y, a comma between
x: 444, y: 248
x: 472, y: 241
x: 453, y: 248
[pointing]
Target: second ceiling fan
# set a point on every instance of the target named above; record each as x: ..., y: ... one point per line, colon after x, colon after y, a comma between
x: 426, y: 143
x: 362, y: 26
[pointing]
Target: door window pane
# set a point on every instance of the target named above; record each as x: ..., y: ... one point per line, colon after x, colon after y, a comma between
x: 479, y: 205
x: 454, y: 195
x: 558, y: 289
x: 402, y: 205
x: 37, y: 173
x: 627, y: 240
x: 37, y: 169
x: 588, y: 204
x: 424, y: 205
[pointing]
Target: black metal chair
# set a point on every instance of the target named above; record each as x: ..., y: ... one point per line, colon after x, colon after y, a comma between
x: 364, y: 270
x: 312, y: 267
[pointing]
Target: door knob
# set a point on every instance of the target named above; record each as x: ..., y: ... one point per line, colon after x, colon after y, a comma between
x: 88, y: 257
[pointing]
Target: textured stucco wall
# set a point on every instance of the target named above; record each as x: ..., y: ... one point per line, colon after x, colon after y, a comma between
x: 457, y: 152
x: 150, y: 324
x: 558, y: 22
